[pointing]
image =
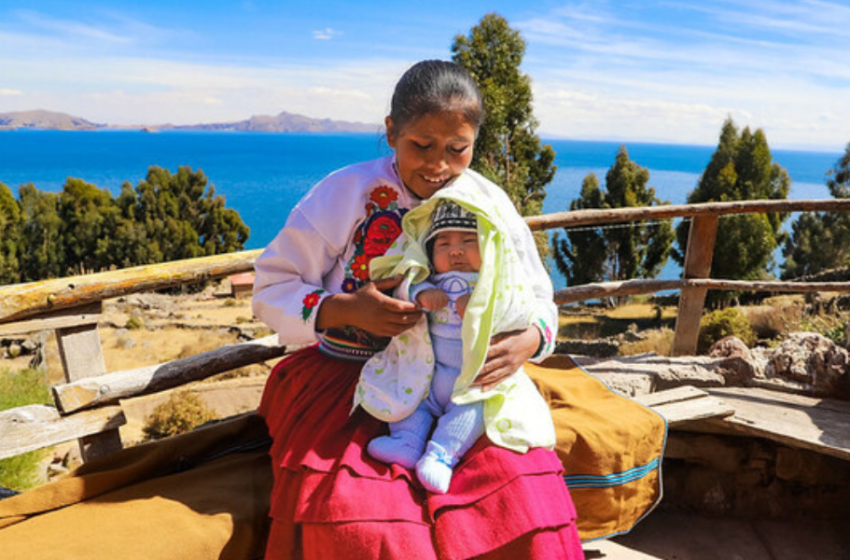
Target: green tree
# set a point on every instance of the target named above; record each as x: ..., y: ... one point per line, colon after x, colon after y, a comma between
x: 133, y: 245
x: 821, y: 240
x: 741, y: 168
x: 182, y: 218
x: 10, y: 236
x: 581, y: 254
x: 838, y: 178
x: 84, y: 229
x: 634, y: 250
x: 221, y: 229
x: 41, y: 247
x: 89, y: 219
x: 507, y: 150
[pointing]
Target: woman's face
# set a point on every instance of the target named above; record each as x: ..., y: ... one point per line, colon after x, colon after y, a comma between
x: 432, y: 150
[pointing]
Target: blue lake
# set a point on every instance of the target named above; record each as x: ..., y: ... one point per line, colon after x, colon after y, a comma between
x: 263, y: 175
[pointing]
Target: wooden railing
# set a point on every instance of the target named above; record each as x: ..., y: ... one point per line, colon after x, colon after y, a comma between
x: 85, y: 404
x: 698, y: 255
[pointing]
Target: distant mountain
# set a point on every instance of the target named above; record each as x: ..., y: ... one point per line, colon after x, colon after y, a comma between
x: 284, y: 122
x: 45, y: 120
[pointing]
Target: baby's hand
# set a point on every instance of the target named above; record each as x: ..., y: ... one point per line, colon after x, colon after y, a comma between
x: 461, y: 303
x: 432, y: 299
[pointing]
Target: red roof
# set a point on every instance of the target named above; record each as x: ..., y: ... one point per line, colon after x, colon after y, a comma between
x: 244, y: 279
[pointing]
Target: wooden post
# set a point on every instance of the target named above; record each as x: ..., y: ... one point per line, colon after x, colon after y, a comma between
x: 698, y: 257
x: 82, y: 356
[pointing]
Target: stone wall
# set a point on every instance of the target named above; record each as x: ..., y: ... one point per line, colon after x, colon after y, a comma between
x: 745, y: 476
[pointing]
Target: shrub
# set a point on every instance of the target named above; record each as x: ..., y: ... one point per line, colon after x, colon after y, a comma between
x: 837, y: 334
x: 135, y: 322
x: 181, y: 413
x: 722, y: 323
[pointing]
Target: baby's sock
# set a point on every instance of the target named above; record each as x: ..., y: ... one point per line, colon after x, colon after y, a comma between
x: 404, y: 449
x: 435, y: 468
x: 406, y: 441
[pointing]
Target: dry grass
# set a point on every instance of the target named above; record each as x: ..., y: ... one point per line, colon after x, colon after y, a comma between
x: 593, y: 322
x: 658, y: 341
x: 776, y: 315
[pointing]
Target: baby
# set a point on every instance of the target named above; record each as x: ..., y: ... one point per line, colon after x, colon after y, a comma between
x: 452, y: 246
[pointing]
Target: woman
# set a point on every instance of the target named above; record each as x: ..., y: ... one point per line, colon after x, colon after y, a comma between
x: 331, y: 500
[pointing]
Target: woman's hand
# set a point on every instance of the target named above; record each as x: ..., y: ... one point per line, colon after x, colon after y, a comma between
x: 369, y: 309
x: 508, y: 351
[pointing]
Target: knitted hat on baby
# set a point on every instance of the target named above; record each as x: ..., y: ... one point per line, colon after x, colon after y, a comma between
x: 451, y: 216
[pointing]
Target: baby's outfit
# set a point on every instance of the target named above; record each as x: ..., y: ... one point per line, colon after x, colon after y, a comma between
x: 458, y: 426
x: 428, y: 371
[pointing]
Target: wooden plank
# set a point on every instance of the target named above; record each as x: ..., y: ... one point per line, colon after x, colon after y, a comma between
x: 601, y: 290
x: 90, y: 314
x: 575, y: 218
x: 685, y: 404
x: 80, y: 351
x: 677, y: 394
x: 683, y: 412
x: 92, y: 391
x: 22, y: 301
x: 748, y: 286
x: 698, y: 258
x: 82, y: 356
x: 820, y: 425
x: 28, y: 428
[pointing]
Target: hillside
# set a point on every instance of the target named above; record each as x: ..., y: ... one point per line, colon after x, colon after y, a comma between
x: 283, y: 122
x: 47, y: 120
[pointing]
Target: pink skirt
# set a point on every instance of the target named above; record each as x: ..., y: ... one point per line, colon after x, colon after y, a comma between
x: 331, y: 500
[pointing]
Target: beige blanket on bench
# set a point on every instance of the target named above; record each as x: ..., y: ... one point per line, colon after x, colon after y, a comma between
x: 193, y: 497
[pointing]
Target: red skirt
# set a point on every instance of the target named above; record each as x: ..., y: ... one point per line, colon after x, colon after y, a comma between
x: 331, y: 500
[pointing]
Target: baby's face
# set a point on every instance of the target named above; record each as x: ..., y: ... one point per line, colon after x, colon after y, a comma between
x: 457, y: 251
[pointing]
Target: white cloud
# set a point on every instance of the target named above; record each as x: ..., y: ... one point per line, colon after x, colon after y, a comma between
x: 676, y: 78
x: 580, y: 114
x: 597, y: 72
x: 121, y: 90
x: 69, y: 28
x: 325, y: 34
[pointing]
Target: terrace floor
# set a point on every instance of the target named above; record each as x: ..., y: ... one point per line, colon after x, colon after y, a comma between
x: 671, y: 535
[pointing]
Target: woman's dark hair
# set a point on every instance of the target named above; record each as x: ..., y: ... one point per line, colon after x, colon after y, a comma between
x: 434, y: 86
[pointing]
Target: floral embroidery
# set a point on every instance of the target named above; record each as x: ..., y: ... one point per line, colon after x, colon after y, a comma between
x: 360, y: 267
x: 380, y: 234
x: 310, y: 301
x: 383, y: 196
x: 349, y: 285
x: 374, y: 235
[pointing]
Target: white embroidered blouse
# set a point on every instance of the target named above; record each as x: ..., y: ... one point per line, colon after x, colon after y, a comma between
x: 332, y: 234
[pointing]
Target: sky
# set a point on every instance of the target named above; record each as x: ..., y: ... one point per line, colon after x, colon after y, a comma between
x: 643, y: 70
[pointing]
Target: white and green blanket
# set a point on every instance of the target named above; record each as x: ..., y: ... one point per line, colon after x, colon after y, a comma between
x: 396, y: 380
